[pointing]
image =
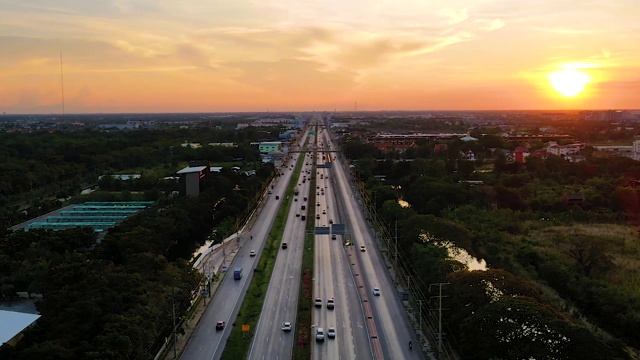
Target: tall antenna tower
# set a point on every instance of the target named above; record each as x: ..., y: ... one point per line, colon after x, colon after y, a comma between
x: 62, y: 83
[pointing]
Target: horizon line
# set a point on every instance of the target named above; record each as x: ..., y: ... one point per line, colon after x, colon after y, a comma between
x: 316, y: 111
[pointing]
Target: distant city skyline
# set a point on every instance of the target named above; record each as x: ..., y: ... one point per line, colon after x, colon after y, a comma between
x: 285, y: 55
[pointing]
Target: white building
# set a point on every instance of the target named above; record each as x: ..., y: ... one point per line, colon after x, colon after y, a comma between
x: 563, y: 150
x: 191, y: 145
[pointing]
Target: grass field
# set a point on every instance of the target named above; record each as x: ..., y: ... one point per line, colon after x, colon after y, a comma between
x: 620, y: 243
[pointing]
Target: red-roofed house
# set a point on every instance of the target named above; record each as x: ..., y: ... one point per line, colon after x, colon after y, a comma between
x: 520, y: 154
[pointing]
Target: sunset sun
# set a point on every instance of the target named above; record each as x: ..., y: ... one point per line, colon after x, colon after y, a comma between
x: 569, y: 82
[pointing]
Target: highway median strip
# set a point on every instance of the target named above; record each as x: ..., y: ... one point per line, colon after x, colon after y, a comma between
x: 302, y: 342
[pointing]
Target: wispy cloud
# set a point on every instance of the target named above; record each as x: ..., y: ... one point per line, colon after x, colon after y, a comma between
x: 242, y: 50
x: 563, y: 31
x: 490, y: 25
x: 455, y: 16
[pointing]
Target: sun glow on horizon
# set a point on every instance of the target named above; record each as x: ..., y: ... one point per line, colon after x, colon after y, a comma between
x: 569, y: 82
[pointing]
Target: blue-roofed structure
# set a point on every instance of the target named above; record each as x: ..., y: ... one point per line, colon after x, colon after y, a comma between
x: 98, y: 215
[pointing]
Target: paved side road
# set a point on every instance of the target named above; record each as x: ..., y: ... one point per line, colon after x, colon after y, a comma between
x: 213, y: 259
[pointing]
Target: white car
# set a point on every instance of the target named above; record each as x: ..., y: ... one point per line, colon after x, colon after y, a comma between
x: 331, y: 332
x: 252, y: 253
x: 286, y: 326
x: 376, y: 291
x: 319, y: 335
x: 331, y: 304
x: 318, y: 302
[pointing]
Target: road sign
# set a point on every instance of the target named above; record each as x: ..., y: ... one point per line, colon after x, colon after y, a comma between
x: 338, y: 229
x: 246, y: 328
x: 321, y: 230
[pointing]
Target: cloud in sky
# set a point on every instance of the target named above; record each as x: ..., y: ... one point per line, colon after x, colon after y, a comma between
x: 209, y: 55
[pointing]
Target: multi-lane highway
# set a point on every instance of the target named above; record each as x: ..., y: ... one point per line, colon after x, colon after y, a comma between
x: 281, y: 300
x: 207, y: 343
x: 392, y: 325
x: 333, y: 278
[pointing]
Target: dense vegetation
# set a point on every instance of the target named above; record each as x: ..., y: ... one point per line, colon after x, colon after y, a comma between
x: 555, y: 267
x: 38, y: 169
x: 114, y: 299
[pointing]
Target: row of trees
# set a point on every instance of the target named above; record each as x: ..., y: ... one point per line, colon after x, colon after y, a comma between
x: 40, y: 168
x: 494, y: 313
x: 112, y: 298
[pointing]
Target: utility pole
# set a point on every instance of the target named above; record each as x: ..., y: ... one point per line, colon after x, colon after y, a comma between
x: 204, y: 293
x: 62, y: 83
x: 420, y: 316
x: 396, y: 238
x: 439, y: 297
x: 175, y: 340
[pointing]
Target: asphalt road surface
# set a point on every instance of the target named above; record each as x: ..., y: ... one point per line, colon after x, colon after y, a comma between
x: 281, y: 300
x: 393, y: 327
x: 207, y: 343
x: 333, y: 279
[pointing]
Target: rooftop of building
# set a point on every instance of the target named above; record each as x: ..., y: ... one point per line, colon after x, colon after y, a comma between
x: 191, y: 169
x: 13, y: 323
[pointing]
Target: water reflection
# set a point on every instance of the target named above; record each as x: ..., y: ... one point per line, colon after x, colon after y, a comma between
x: 461, y: 255
x: 457, y: 253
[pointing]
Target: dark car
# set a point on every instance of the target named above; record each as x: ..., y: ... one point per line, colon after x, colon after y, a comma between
x: 220, y: 325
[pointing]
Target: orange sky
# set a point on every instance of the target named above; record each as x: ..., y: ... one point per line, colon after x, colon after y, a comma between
x: 256, y: 55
